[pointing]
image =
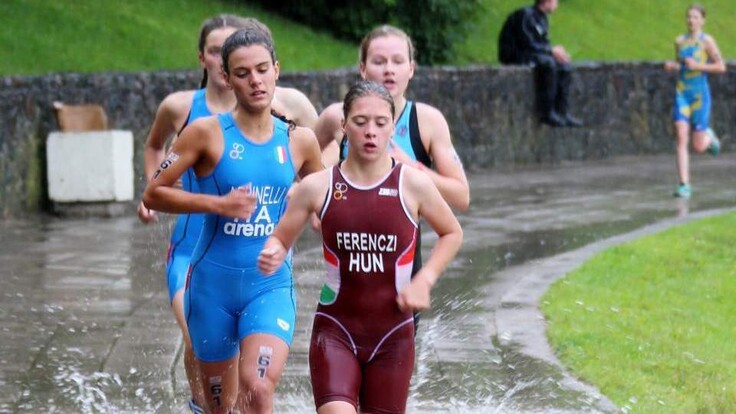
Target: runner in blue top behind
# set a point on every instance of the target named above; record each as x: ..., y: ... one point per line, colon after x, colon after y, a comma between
x: 696, y: 55
x: 240, y: 322
x: 176, y: 111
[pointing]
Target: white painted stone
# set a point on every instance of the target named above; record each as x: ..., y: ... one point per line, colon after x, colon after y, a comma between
x: 90, y: 166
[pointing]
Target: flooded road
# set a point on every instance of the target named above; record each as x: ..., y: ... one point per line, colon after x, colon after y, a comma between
x: 86, y: 325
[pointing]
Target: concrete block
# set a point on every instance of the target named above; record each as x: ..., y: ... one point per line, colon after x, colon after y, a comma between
x: 90, y: 166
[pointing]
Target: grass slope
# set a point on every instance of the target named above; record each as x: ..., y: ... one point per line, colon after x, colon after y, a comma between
x: 41, y: 36
x: 609, y: 30
x: 652, y: 322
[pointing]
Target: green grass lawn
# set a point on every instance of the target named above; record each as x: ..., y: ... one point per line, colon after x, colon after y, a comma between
x: 609, y: 30
x: 42, y: 36
x: 652, y: 323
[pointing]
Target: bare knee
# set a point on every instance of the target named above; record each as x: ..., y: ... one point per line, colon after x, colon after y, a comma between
x: 257, y: 393
x: 220, y: 385
x: 700, y: 142
x: 218, y: 399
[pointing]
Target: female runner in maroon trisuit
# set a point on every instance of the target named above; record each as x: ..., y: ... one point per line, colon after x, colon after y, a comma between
x: 362, y: 349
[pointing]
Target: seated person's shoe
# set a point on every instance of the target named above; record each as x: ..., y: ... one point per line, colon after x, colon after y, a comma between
x: 715, y: 144
x: 683, y: 191
x: 553, y: 119
x: 571, y: 121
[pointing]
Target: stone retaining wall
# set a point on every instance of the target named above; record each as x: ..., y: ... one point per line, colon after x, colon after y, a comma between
x: 626, y: 108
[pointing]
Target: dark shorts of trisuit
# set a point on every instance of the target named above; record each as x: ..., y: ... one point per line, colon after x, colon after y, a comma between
x: 371, y: 373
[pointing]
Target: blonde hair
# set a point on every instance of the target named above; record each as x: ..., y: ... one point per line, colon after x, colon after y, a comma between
x: 382, y: 31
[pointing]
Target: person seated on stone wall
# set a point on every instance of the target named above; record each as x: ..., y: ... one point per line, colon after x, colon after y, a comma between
x: 524, y: 40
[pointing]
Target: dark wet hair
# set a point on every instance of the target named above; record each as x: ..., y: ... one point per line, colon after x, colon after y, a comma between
x: 283, y: 117
x: 246, y: 38
x: 699, y: 7
x: 222, y: 21
x: 382, y: 31
x: 365, y: 88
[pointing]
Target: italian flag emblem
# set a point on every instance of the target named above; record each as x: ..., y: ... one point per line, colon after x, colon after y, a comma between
x: 281, y: 154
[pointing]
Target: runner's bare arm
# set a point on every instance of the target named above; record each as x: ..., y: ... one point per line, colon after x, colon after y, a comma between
x: 328, y: 130
x: 305, y: 150
x: 170, y: 115
x: 305, y: 201
x: 449, y: 174
x: 424, y: 200
x: 194, y: 148
x: 716, y: 63
x: 300, y: 108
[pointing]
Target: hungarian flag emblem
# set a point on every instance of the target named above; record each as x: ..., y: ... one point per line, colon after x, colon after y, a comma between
x: 281, y: 154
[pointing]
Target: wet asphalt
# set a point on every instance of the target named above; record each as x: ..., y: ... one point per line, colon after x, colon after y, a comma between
x: 87, y: 328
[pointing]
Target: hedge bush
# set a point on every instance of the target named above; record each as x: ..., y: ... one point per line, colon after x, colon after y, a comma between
x: 435, y: 26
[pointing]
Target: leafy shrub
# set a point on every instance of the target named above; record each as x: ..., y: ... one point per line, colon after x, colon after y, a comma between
x: 435, y: 26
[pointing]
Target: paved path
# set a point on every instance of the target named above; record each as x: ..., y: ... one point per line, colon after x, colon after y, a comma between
x: 86, y: 326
